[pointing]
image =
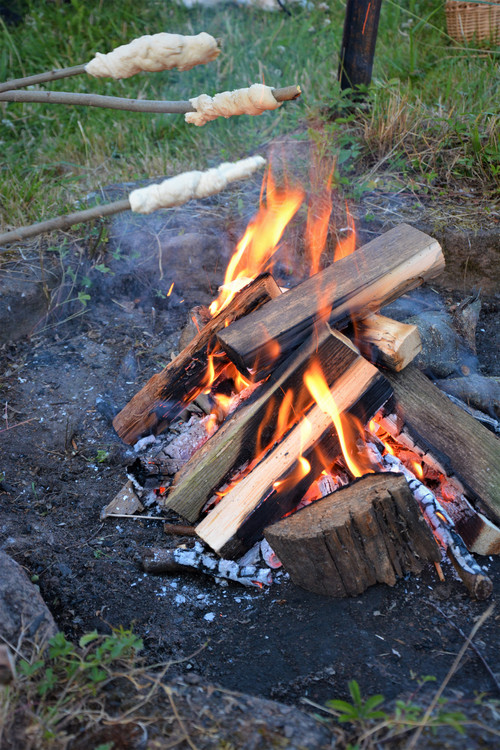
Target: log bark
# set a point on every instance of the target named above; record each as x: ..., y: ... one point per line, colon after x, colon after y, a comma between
x: 388, y: 342
x: 353, y: 287
x: 167, y: 393
x: 369, y: 532
x: 255, y: 422
x: 451, y: 435
x: 256, y: 501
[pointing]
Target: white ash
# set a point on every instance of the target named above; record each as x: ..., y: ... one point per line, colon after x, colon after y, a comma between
x: 261, y: 553
x: 198, y: 558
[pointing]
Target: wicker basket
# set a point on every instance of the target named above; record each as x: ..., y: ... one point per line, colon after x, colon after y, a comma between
x: 468, y: 21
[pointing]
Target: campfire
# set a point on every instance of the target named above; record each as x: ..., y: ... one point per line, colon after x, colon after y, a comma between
x: 319, y: 436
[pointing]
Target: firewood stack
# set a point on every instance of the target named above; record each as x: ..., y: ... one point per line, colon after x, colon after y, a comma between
x: 375, y: 529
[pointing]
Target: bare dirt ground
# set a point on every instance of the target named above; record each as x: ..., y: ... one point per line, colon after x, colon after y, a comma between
x: 62, y: 462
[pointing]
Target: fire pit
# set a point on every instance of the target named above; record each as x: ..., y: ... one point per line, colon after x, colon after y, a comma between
x: 292, y: 396
x: 61, y: 468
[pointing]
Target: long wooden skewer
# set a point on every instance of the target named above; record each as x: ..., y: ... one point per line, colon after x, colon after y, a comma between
x: 47, y: 77
x: 114, y: 102
x: 230, y: 172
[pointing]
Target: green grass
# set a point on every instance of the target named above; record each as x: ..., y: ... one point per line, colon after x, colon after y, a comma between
x: 68, y: 691
x: 431, y: 124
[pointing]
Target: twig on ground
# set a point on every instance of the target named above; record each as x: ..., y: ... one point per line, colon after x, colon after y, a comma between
x: 18, y: 424
x: 413, y: 742
x: 168, y: 691
x: 473, y: 645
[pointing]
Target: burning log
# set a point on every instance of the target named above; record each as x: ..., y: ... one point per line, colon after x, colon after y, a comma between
x: 353, y: 287
x: 196, y: 558
x: 275, y: 486
x: 477, y: 582
x: 472, y: 451
x: 368, y: 532
x: 254, y: 423
x: 480, y: 535
x: 388, y: 342
x: 165, y: 395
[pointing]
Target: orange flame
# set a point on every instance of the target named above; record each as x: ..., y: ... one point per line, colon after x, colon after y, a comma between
x: 301, y: 467
x: 318, y: 388
x: 348, y: 245
x: 318, y: 216
x: 171, y: 289
x: 260, y: 241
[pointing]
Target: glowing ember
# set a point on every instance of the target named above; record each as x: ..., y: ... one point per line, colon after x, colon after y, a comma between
x: 417, y: 468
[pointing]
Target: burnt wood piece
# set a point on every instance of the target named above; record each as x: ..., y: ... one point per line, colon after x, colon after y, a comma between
x: 388, y: 342
x: 479, y: 534
x: 256, y: 501
x: 126, y: 501
x: 371, y: 531
x: 471, y: 573
x: 254, y: 423
x: 195, y: 558
x: 353, y: 287
x: 451, y: 435
x: 167, y: 393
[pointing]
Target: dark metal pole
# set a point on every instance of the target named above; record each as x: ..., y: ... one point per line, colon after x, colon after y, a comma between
x: 358, y: 43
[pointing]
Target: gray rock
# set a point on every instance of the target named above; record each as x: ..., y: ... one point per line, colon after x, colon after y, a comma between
x: 22, y: 610
x: 444, y: 352
x: 476, y: 391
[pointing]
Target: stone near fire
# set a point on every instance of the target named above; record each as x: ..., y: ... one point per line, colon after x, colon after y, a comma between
x: 23, y: 613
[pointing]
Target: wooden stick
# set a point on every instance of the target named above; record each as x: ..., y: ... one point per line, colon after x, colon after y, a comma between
x: 353, y: 287
x: 169, y: 193
x: 168, y: 392
x: 369, y: 532
x: 64, y: 222
x: 258, y: 500
x: 255, y: 422
x: 288, y: 93
x: 388, y: 342
x: 49, y: 75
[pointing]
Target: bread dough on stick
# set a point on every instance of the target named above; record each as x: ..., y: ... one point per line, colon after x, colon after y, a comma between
x: 252, y: 101
x: 185, y: 187
x: 154, y: 53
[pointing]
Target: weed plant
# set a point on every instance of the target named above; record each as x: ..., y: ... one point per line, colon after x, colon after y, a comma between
x: 430, y: 121
x: 80, y: 696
